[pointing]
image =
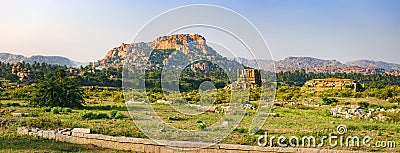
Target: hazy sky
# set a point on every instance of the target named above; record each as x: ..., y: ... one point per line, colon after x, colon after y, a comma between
x: 84, y: 30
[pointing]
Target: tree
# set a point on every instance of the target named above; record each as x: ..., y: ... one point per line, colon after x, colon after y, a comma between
x: 58, y: 91
x: 11, y: 77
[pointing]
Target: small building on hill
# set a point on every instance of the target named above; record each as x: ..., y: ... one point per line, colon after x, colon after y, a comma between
x: 331, y: 83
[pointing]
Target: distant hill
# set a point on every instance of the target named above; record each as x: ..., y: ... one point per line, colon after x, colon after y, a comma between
x: 59, y: 60
x: 11, y: 58
x: 380, y: 64
x: 315, y: 65
x: 298, y: 63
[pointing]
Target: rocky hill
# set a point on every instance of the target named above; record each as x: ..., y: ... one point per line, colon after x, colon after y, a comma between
x: 11, y: 58
x: 298, y: 63
x: 191, y: 46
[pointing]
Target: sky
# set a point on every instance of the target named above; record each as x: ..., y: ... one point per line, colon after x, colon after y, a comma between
x: 344, y: 30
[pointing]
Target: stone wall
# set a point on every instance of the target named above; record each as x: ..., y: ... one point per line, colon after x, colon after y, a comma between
x: 83, y: 136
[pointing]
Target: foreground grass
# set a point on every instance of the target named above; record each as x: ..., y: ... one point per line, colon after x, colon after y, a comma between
x: 292, y: 121
x: 11, y: 142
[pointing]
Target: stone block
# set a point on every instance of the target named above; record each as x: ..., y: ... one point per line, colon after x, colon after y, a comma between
x: 92, y: 136
x: 23, y: 131
x: 77, y: 134
x: 52, y: 135
x: 136, y: 147
x: 81, y: 130
x: 68, y: 133
x: 228, y: 146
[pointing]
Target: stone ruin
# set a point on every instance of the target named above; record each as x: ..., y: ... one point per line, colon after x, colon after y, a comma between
x: 84, y: 137
x: 331, y: 83
x: 247, y: 78
x: 357, y: 112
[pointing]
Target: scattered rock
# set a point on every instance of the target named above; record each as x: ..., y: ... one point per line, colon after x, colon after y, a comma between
x: 163, y: 130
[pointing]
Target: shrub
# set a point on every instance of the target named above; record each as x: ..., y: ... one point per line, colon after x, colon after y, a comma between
x: 199, y: 121
x: 113, y: 113
x: 352, y: 127
x: 328, y: 101
x: 201, y: 126
x: 90, y: 115
x: 302, y: 107
x: 101, y: 115
x: 87, y: 115
x: 12, y: 104
x: 394, y: 100
x: 47, y: 109
x: 240, y: 130
x: 363, y: 104
x: 66, y: 110
x: 119, y: 115
x: 56, y: 110
x: 347, y: 103
x: 370, y: 127
x: 44, y: 122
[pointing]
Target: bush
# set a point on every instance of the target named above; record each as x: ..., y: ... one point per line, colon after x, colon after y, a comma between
x: 87, y: 115
x: 101, y: 115
x: 370, y: 127
x: 394, y: 100
x: 12, y: 104
x: 66, y: 110
x: 119, y: 115
x: 113, y: 113
x: 373, y: 106
x: 44, y: 122
x: 47, y: 109
x: 201, y: 126
x: 90, y: 115
x: 116, y: 114
x: 363, y: 104
x: 240, y: 130
x: 328, y: 101
x: 56, y: 110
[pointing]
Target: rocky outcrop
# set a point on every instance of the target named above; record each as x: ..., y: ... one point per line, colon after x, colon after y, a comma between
x: 23, y: 73
x: 191, y: 45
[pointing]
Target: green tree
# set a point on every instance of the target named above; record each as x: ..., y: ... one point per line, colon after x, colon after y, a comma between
x: 58, y: 91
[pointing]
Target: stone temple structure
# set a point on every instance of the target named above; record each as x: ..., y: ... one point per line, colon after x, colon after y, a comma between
x: 331, y: 83
x: 247, y: 78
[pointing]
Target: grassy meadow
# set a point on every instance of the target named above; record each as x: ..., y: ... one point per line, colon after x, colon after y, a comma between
x: 100, y: 115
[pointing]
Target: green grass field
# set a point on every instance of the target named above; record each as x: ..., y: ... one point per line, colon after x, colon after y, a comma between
x: 293, y: 120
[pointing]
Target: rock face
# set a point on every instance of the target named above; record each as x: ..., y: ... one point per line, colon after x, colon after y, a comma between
x: 191, y: 45
x: 22, y: 72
